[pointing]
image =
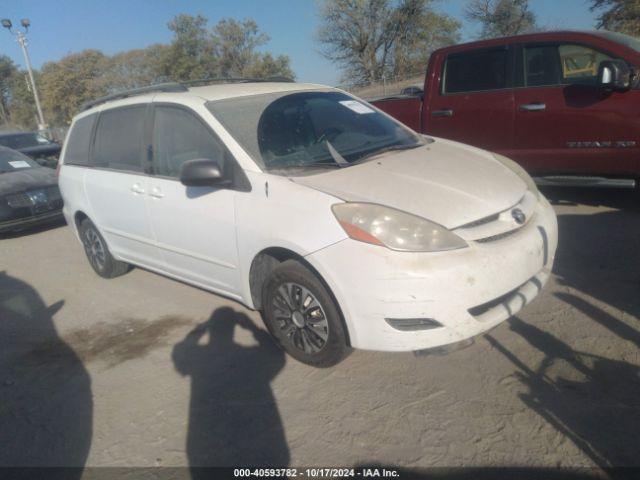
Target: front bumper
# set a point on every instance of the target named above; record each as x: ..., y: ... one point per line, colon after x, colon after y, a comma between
x: 28, y: 222
x: 468, y: 291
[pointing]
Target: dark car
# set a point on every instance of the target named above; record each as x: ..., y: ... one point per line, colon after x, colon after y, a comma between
x: 29, y: 193
x: 31, y: 144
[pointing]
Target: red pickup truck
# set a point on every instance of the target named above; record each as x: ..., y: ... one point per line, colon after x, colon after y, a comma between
x: 565, y: 105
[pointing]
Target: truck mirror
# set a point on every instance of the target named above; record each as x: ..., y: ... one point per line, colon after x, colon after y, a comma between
x: 614, y: 75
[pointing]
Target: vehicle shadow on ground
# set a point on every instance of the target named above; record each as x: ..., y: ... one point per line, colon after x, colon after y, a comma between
x: 592, y: 400
x: 618, y: 198
x: 233, y: 416
x: 599, y: 255
x: 46, y: 406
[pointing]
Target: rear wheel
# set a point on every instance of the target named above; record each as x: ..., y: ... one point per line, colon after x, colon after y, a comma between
x: 301, y: 314
x: 98, y: 253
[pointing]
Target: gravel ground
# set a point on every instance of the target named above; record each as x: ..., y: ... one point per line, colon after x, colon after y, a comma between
x: 145, y: 371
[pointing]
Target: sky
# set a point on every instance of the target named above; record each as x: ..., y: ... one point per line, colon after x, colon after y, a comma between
x: 60, y: 27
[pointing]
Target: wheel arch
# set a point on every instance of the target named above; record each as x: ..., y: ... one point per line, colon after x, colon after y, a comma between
x: 263, y: 264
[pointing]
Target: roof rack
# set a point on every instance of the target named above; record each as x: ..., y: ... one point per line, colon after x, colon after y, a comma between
x: 209, y: 81
x: 178, y: 87
x: 160, y: 87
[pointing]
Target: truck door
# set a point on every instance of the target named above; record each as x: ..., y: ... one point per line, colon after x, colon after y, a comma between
x: 565, y: 123
x: 472, y: 101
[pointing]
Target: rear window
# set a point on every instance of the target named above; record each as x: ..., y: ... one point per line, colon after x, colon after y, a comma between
x: 77, y: 152
x: 23, y: 140
x: 476, y: 71
x: 119, y: 139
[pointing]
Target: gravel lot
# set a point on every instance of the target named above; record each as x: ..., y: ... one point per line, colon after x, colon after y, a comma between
x: 144, y: 371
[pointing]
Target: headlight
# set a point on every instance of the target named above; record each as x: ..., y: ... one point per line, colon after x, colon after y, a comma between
x: 394, y: 229
x: 518, y: 170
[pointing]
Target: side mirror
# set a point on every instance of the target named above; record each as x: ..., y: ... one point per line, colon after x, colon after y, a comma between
x: 614, y: 75
x: 202, y: 172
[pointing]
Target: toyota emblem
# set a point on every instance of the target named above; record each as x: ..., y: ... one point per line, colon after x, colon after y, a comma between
x: 518, y: 215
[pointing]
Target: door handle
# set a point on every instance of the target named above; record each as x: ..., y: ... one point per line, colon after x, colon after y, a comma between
x: 447, y: 112
x: 533, y: 107
x: 156, y: 193
x: 137, y: 188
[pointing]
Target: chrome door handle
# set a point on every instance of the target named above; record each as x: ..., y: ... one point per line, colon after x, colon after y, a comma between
x: 136, y: 188
x: 447, y: 112
x: 156, y: 193
x: 533, y: 107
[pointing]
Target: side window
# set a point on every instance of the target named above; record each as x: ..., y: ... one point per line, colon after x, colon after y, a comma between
x: 77, y: 152
x: 178, y: 136
x: 120, y: 138
x: 476, y: 71
x: 564, y: 64
x: 541, y: 66
x: 580, y: 63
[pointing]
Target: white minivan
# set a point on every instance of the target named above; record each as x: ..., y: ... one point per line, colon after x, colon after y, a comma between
x: 341, y: 225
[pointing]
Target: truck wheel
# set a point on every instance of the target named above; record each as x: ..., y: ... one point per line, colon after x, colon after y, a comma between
x: 98, y: 253
x: 301, y: 314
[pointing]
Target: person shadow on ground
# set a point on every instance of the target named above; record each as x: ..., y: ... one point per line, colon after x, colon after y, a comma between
x: 233, y: 416
x: 46, y: 406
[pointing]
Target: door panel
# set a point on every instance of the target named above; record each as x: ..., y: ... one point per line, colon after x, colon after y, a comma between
x: 119, y: 210
x: 194, y: 226
x: 474, y: 103
x: 565, y: 123
x: 117, y: 188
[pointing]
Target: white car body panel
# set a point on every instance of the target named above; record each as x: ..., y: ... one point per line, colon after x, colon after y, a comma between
x: 209, y: 237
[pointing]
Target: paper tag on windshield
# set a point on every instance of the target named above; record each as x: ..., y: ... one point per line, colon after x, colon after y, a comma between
x: 19, y: 164
x: 357, y: 106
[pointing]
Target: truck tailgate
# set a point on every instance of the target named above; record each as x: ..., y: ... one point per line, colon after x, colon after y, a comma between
x: 407, y: 109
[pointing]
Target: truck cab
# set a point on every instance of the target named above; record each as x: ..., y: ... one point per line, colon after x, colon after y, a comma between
x: 546, y: 100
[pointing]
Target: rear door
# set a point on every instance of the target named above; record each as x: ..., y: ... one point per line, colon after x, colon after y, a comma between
x: 194, y: 226
x: 565, y: 123
x: 473, y: 102
x: 116, y: 185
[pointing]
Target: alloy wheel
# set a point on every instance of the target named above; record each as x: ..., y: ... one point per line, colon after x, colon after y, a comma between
x: 300, y: 317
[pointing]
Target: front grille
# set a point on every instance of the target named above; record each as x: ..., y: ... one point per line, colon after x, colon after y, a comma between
x: 482, y: 221
x: 500, y: 236
x: 485, y: 307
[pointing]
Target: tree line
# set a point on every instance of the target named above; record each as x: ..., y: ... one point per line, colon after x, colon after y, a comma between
x: 368, y: 40
x: 231, y: 48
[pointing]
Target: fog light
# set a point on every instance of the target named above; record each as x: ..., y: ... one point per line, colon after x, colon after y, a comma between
x: 413, y: 324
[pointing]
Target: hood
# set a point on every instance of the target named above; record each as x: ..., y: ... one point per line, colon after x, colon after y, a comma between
x: 27, y: 179
x: 446, y: 182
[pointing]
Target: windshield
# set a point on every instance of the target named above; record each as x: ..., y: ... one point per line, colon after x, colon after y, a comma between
x: 309, y: 129
x: 11, y: 161
x: 626, y: 40
x: 23, y: 140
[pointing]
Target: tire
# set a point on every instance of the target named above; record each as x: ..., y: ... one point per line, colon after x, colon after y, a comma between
x: 303, y: 317
x: 98, y: 253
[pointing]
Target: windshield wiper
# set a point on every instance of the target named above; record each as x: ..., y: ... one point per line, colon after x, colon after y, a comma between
x: 339, y: 159
x: 387, y: 149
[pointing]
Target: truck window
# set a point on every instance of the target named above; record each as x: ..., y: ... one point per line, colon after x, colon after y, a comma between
x: 564, y: 64
x: 542, y: 66
x: 476, y: 71
x: 580, y: 63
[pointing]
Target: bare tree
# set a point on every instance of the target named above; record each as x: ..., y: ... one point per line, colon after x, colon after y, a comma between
x: 618, y: 15
x: 500, y: 18
x: 371, y: 38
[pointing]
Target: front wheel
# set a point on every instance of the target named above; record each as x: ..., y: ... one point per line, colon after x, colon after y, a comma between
x: 303, y: 317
